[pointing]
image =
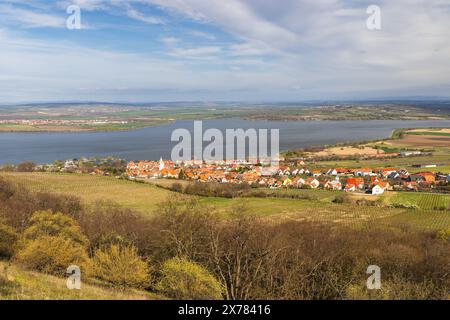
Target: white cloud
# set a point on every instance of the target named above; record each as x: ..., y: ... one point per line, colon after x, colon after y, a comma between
x: 198, y: 52
x: 134, y: 14
x: 170, y: 41
x: 251, y: 49
x: 88, y: 5
x: 232, y: 15
x: 31, y: 19
x: 204, y: 35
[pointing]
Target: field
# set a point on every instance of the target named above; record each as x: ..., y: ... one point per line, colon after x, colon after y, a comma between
x: 348, y: 151
x: 19, y: 284
x: 423, y: 140
x: 145, y: 198
x: 81, y: 127
x: 416, y: 138
x: 142, y: 115
x: 431, y: 132
x: 435, y: 143
x: 424, y: 201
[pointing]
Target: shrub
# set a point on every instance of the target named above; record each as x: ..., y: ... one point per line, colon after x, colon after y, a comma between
x: 342, y: 198
x: 18, y: 204
x: 7, y: 189
x: 26, y: 166
x: 121, y: 266
x: 53, y: 255
x: 444, y: 234
x: 177, y: 187
x: 8, y: 239
x: 105, y: 225
x: 46, y: 223
x: 182, y: 279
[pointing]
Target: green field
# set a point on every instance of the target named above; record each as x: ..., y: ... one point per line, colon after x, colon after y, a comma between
x: 440, y: 158
x: 146, y: 197
x: 82, y: 127
x: 424, y: 201
x: 429, y: 133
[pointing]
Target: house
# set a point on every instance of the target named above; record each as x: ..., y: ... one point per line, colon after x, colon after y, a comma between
x: 394, y: 175
x: 332, y: 172
x: 70, y: 165
x: 276, y: 185
x: 337, y: 171
x: 172, y: 173
x: 284, y: 171
x: 410, y: 185
x: 374, y: 180
x: 377, y: 190
x: 298, y: 182
x: 313, y: 183
x: 342, y: 170
x: 387, y: 171
x: 410, y: 153
x: 350, y: 188
x: 383, y: 184
x: 316, y: 173
x: 286, y: 181
x: 358, y: 182
x: 362, y: 172
x: 333, y: 185
x: 428, y: 177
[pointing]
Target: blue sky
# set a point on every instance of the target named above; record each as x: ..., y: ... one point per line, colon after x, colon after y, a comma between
x: 233, y: 50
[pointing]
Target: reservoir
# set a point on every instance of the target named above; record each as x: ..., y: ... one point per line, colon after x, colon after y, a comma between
x: 154, y: 142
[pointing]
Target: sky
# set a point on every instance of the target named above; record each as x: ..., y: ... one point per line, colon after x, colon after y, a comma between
x: 217, y: 50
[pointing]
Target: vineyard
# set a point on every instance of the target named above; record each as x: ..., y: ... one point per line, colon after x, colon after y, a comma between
x: 406, y: 208
x: 424, y: 201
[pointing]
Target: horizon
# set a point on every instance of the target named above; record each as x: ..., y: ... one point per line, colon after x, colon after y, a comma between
x: 381, y: 100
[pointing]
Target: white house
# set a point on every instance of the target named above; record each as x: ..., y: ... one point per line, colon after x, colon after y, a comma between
x: 332, y: 172
x: 376, y: 190
x: 313, y: 183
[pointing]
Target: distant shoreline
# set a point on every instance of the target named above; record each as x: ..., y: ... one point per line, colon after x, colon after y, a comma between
x: 100, y: 130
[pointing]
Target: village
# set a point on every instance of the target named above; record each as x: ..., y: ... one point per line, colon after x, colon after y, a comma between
x: 38, y: 122
x: 290, y: 175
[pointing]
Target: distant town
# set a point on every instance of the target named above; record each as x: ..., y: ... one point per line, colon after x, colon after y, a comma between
x: 38, y: 122
x: 290, y: 175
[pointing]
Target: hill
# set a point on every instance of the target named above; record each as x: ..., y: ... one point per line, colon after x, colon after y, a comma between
x: 19, y: 284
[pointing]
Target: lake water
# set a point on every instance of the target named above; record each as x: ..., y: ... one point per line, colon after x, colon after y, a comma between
x: 154, y: 142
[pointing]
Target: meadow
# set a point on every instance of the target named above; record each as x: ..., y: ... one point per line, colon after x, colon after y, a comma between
x: 17, y: 283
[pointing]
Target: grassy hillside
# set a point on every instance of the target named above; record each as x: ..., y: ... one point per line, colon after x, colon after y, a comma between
x: 145, y: 198
x: 19, y: 284
x: 92, y: 189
